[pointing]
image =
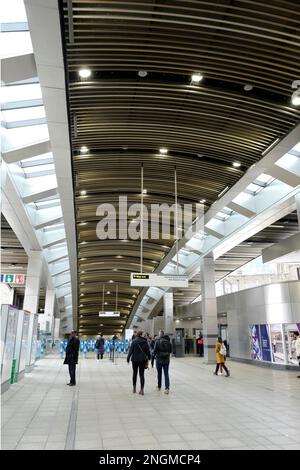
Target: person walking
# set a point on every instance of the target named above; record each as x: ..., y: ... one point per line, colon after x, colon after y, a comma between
x: 221, y: 356
x: 71, y: 358
x: 200, y: 344
x: 152, y: 346
x: 162, y: 351
x: 297, y: 348
x: 99, y: 346
x: 139, y: 353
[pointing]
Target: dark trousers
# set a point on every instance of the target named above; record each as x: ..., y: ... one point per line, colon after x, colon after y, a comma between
x: 163, y: 367
x: 224, y: 367
x: 152, y: 360
x: 99, y: 354
x: 72, y: 372
x: 138, y: 366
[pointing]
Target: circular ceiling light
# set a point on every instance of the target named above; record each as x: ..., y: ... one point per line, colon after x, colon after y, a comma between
x: 196, y: 77
x: 84, y: 149
x: 163, y: 150
x: 82, y: 193
x: 202, y: 201
x: 142, y: 73
x: 108, y: 292
x: 236, y: 164
x: 85, y: 73
x: 296, y: 98
x: 248, y: 87
x: 144, y: 191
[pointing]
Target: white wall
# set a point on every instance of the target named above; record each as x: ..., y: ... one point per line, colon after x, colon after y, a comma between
x: 6, y: 294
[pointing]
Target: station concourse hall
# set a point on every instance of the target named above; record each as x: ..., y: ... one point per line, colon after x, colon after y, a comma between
x: 150, y: 228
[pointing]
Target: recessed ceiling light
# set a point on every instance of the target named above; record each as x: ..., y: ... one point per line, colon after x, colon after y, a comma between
x: 85, y: 73
x: 119, y: 256
x: 163, y: 150
x: 236, y: 164
x: 296, y: 98
x: 248, y: 87
x: 84, y: 149
x: 144, y: 191
x: 142, y: 73
x: 108, y: 292
x: 82, y: 193
x: 82, y: 259
x: 83, y: 223
x: 81, y: 295
x: 202, y: 201
x: 105, y: 303
x: 83, y: 243
x: 81, y: 305
x: 83, y: 271
x: 111, y: 281
x: 196, y: 77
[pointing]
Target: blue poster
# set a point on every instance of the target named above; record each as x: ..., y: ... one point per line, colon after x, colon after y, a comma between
x: 255, y: 342
x: 265, y: 343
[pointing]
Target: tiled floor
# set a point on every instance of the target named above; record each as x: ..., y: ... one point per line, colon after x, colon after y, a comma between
x: 255, y: 408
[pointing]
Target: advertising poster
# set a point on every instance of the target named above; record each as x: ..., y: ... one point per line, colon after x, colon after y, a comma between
x: 255, y: 349
x: 277, y: 344
x: 265, y: 343
x: 290, y: 334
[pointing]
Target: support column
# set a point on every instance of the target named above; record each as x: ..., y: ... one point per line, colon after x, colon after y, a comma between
x: 168, y: 313
x: 209, y: 307
x: 49, y: 311
x: 33, y: 280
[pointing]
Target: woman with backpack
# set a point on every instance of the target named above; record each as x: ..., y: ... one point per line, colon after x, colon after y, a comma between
x: 221, y: 356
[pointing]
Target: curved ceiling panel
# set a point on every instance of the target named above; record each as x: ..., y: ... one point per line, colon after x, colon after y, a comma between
x: 124, y: 118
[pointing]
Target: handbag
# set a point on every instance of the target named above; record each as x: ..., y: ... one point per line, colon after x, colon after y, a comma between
x: 147, y: 360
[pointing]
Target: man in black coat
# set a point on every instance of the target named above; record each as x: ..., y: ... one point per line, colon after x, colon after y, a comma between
x: 71, y: 359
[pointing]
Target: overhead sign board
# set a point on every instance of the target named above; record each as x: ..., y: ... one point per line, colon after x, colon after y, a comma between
x: 158, y: 280
x: 12, y: 278
x: 109, y: 314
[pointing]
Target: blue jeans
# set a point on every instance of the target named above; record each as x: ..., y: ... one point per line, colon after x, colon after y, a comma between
x: 164, y: 367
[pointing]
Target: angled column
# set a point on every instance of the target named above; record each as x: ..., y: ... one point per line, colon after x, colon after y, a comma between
x: 168, y: 313
x: 33, y: 280
x: 209, y: 307
x: 297, y: 199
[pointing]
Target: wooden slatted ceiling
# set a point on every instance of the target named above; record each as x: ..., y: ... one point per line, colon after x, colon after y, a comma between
x: 124, y: 119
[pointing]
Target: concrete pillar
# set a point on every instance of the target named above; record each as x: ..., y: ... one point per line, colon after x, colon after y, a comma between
x: 48, y: 312
x: 33, y: 280
x: 209, y: 307
x: 168, y: 313
x: 158, y: 324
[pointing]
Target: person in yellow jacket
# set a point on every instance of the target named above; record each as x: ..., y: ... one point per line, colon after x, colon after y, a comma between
x: 220, y: 348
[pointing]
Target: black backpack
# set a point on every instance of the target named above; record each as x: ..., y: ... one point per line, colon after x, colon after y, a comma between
x: 164, y: 348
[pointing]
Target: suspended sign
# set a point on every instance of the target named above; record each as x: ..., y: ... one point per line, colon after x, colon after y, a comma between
x: 158, y: 280
x: 109, y: 314
x: 12, y: 278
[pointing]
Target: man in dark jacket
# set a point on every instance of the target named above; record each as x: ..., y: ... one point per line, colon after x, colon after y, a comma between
x: 72, y: 356
x: 139, y: 353
x: 162, y: 351
x: 99, y: 346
